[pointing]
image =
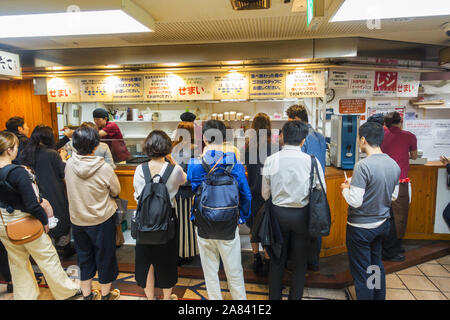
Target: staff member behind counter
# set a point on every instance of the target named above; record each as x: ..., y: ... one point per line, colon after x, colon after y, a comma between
x: 110, y: 133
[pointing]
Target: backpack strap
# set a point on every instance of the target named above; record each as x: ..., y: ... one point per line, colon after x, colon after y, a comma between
x: 147, y: 173
x: 4, y: 172
x: 167, y: 173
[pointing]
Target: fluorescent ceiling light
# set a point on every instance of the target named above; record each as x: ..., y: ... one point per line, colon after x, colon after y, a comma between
x: 356, y: 10
x: 69, y: 23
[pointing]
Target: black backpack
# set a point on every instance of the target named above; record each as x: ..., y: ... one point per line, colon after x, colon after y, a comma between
x: 154, y: 222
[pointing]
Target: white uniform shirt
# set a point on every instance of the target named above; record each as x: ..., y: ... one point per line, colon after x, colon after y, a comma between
x: 286, y: 177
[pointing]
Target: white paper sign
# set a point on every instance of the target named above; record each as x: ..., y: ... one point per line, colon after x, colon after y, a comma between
x: 305, y: 84
x: 95, y: 89
x: 408, y: 84
x: 338, y: 79
x: 233, y: 85
x: 63, y: 90
x: 10, y: 64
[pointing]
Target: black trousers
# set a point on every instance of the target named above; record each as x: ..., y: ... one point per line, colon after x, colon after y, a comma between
x: 294, y: 227
x: 391, y: 244
x: 4, y: 264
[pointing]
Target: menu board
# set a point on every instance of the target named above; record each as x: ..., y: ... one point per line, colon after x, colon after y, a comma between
x: 95, y: 89
x: 127, y: 88
x: 233, y: 85
x: 305, y: 84
x: 267, y: 85
x: 63, y: 90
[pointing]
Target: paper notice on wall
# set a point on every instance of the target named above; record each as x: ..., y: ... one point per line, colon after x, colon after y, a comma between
x: 159, y: 87
x: 233, y: 85
x: 95, y: 89
x: 361, y: 83
x: 408, y: 84
x: 305, y: 84
x: 128, y: 88
x: 267, y: 85
x: 338, y: 79
x: 63, y: 90
x: 196, y: 87
x: 433, y: 137
x: 386, y: 109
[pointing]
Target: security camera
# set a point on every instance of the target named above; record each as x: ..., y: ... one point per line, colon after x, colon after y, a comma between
x: 446, y: 28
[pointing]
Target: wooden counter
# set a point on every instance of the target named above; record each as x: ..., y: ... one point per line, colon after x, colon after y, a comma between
x: 421, y: 213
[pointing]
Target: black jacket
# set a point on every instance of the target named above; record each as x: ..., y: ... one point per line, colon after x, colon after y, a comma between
x: 270, y: 233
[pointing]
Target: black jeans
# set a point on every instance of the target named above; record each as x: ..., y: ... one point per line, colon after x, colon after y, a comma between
x: 364, y: 255
x: 294, y: 227
x: 4, y: 264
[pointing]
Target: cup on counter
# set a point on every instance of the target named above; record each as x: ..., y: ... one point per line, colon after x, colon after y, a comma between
x: 226, y: 116
x: 240, y: 116
x: 246, y: 118
x: 214, y: 116
x: 220, y: 116
x: 232, y: 115
x: 155, y: 116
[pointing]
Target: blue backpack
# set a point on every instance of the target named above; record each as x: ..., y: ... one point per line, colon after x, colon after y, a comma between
x: 216, y: 203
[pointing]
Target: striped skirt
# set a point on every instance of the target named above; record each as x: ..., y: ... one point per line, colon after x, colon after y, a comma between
x: 188, y: 246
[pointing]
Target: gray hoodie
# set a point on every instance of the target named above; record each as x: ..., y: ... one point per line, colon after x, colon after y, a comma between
x: 91, y: 184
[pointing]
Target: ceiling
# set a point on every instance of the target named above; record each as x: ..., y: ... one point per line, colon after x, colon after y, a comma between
x: 214, y: 21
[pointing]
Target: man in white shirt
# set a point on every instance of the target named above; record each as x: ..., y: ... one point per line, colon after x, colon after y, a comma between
x: 286, y: 177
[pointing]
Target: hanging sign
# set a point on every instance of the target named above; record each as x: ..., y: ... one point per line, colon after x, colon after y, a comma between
x: 408, y: 84
x: 267, y: 85
x: 10, y: 64
x: 305, y: 84
x: 195, y: 87
x: 338, y: 79
x: 233, y: 85
x: 361, y: 83
x: 385, y: 84
x: 160, y: 87
x: 95, y: 89
x: 127, y: 88
x: 63, y: 90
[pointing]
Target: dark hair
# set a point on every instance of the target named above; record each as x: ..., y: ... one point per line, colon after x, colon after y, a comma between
x: 378, y: 118
x: 14, y: 123
x: 85, y: 139
x: 297, y: 111
x: 41, y: 136
x: 214, y: 125
x: 261, y: 121
x: 157, y: 144
x: 294, y: 132
x: 392, y: 118
x: 184, y: 125
x: 100, y: 113
x: 373, y: 132
x: 88, y: 124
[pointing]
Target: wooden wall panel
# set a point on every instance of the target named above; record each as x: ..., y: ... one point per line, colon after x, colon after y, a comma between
x: 17, y: 99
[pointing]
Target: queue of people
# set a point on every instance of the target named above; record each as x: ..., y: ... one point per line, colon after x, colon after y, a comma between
x: 210, y: 196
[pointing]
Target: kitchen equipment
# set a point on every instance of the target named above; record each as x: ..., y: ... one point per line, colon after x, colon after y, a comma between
x: 344, y: 149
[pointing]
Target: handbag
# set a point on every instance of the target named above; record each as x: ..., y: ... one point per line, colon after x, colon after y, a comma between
x: 23, y: 230
x: 120, y: 215
x: 319, y: 210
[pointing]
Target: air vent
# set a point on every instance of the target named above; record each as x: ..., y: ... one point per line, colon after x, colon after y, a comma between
x: 250, y: 4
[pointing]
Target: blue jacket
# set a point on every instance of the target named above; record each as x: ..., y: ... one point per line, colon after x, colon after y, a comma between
x: 196, y: 174
x: 315, y: 145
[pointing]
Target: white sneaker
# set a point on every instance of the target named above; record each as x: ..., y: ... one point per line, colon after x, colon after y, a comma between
x: 52, y: 222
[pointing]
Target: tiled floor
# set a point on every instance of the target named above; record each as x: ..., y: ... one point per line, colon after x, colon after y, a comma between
x: 427, y: 281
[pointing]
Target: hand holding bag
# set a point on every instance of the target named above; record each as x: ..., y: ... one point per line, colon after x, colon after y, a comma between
x: 319, y: 210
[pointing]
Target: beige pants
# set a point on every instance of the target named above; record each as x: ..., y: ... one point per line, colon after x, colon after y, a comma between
x: 46, y: 257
